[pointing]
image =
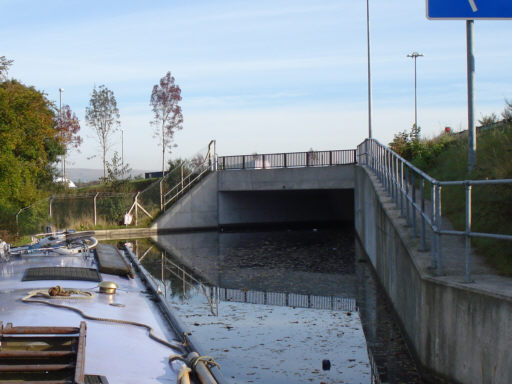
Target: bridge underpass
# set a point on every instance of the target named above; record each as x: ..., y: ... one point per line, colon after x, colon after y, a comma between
x: 255, y: 197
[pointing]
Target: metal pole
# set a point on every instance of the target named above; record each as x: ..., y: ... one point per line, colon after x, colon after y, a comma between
x: 467, y: 278
x: 413, y: 204
x: 415, y: 55
x: 369, y: 70
x: 60, y: 127
x: 471, y: 96
x: 408, y: 217
x: 95, y: 196
x: 438, y: 222
x: 161, y: 195
x: 401, y: 189
x: 136, y: 208
x: 182, y: 166
x: 433, y: 246
x: 422, y: 213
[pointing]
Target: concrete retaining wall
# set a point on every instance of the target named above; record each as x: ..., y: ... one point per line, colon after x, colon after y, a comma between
x: 197, y: 209
x: 458, y: 331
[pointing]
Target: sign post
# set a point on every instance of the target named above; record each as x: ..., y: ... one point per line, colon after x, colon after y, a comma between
x: 470, y: 10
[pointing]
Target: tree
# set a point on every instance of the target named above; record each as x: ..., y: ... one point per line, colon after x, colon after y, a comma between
x: 507, y: 112
x: 4, y: 67
x: 118, y: 173
x: 488, y: 120
x: 68, y: 126
x: 29, y: 146
x: 168, y: 118
x: 103, y: 115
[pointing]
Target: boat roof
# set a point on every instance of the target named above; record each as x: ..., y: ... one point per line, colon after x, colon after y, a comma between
x: 122, y: 353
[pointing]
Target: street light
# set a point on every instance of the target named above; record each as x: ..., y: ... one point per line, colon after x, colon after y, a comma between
x: 415, y: 55
x: 369, y: 71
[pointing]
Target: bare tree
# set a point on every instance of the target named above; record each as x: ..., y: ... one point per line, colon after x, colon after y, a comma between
x: 103, y: 115
x: 168, y: 118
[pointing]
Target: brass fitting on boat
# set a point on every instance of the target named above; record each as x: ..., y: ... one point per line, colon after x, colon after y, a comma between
x: 108, y: 287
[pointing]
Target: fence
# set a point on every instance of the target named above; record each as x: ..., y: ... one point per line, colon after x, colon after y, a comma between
x: 410, y: 189
x: 285, y: 299
x: 107, y: 209
x: 81, y: 211
x: 288, y: 160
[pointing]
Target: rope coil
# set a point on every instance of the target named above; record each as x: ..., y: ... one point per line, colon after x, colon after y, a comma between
x: 87, y: 295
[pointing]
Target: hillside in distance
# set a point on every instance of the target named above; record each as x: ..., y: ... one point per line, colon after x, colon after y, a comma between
x: 86, y: 175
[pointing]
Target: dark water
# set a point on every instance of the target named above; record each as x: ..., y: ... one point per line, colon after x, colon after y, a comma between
x: 304, y: 295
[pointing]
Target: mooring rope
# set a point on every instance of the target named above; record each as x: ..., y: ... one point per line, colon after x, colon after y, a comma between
x: 60, y: 293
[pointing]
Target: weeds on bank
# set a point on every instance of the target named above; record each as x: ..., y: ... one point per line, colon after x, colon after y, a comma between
x: 444, y: 157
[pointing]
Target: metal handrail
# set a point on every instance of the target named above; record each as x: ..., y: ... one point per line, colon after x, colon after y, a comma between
x: 288, y: 160
x: 400, y: 179
x: 184, y: 186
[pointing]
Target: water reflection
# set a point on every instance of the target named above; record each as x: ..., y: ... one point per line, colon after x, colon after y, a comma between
x: 211, y: 273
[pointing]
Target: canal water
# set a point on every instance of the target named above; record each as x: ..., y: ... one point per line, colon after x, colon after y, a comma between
x: 282, y: 306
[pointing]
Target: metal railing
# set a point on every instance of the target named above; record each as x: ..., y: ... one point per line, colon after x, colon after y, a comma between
x: 288, y: 160
x: 286, y: 299
x: 190, y: 175
x: 409, y: 188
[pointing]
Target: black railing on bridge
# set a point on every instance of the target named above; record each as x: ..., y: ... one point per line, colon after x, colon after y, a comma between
x: 288, y: 160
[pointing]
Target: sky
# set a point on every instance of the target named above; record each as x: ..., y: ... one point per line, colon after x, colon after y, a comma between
x: 256, y: 76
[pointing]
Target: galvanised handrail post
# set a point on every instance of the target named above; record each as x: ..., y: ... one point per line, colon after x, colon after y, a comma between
x: 17, y: 222
x: 378, y: 158
x: 408, y: 216
x: 372, y: 154
x: 284, y: 160
x: 413, y: 205
x: 395, y: 179
x: 385, y: 168
x: 433, y: 245
x: 422, y: 195
x: 161, y: 195
x: 397, y: 174
x: 467, y: 278
x: 401, y: 188
x: 438, y: 232
x: 388, y: 173
x: 391, y: 171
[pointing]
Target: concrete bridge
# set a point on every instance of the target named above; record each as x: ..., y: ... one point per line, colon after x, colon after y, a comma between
x: 455, y: 312
x: 268, y: 189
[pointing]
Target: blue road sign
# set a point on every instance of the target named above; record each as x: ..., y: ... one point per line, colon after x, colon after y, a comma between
x: 469, y: 9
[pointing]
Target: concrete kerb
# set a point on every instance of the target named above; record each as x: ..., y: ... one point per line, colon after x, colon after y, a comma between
x: 124, y: 233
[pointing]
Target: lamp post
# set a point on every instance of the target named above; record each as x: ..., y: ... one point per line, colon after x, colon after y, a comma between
x: 415, y: 55
x: 369, y: 71
x: 60, y: 128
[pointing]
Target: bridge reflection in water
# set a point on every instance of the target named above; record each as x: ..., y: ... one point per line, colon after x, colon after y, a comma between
x: 297, y: 273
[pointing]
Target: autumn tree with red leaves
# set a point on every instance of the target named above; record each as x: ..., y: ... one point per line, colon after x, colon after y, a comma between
x: 68, y: 127
x: 168, y: 117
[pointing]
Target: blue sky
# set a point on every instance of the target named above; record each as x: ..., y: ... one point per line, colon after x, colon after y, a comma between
x: 257, y: 76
